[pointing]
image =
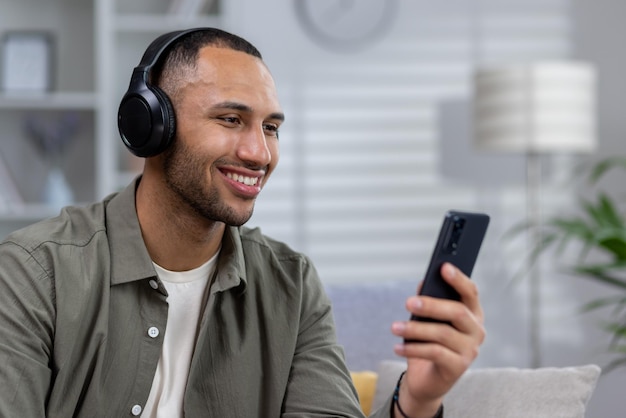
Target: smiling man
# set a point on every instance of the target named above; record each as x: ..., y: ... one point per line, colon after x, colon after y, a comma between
x: 157, y: 302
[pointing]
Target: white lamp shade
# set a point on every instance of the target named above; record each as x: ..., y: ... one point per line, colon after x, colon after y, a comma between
x: 539, y: 107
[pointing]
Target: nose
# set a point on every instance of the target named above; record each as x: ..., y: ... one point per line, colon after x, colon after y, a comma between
x: 253, y: 147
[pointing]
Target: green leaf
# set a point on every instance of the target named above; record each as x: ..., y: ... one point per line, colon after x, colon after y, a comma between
x: 620, y: 301
x: 517, y: 229
x: 600, y: 273
x: 618, y: 329
x: 613, y: 365
x: 570, y: 229
x: 605, y: 165
x: 615, y: 246
x: 607, y: 212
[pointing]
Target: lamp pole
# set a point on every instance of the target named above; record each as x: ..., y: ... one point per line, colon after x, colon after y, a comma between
x: 533, y: 207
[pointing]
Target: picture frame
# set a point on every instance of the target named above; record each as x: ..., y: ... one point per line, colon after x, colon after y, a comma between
x: 27, y: 61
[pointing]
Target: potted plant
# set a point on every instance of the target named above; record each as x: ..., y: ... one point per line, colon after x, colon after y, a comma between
x: 597, y: 230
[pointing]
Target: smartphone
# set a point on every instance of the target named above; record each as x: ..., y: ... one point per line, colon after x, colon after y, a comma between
x: 459, y: 241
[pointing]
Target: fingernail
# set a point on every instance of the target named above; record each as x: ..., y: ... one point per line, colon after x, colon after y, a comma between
x: 450, y: 270
x: 398, y: 327
x: 416, y: 303
x: 399, y: 349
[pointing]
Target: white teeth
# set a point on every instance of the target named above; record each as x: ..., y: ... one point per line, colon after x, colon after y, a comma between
x: 248, y: 181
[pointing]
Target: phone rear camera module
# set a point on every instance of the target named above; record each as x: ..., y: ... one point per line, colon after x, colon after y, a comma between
x: 455, y: 235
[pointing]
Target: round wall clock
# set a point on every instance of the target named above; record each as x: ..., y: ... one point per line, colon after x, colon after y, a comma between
x: 345, y: 24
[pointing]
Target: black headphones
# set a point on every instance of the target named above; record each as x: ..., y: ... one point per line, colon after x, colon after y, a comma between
x: 145, y: 118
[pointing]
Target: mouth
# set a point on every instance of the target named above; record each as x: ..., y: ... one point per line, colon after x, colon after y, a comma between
x: 246, y: 180
x: 244, y: 183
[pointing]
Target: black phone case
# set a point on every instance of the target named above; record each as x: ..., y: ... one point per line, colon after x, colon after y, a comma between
x: 460, y: 238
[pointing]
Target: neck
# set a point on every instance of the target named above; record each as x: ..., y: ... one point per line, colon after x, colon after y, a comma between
x: 178, y: 243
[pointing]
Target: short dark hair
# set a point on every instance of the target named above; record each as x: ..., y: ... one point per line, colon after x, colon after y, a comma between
x: 183, y: 55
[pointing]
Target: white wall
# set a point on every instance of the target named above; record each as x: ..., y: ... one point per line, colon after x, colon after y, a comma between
x: 598, y: 33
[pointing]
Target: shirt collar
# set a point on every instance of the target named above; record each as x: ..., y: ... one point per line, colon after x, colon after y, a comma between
x: 231, y: 266
x: 130, y: 260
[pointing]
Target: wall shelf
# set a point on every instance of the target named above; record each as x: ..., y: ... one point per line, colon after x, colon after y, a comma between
x: 57, y: 101
x: 28, y: 212
x: 96, y: 44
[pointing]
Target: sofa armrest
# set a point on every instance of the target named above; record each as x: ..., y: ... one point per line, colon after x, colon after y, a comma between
x: 507, y: 392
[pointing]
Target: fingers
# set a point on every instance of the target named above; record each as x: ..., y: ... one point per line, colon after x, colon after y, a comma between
x: 455, y: 313
x: 452, y: 350
x: 465, y: 317
x: 466, y: 288
x: 463, y: 330
x: 451, y: 360
x: 446, y: 348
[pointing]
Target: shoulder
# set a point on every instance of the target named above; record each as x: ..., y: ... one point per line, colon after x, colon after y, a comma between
x: 255, y: 242
x: 274, y: 265
x: 277, y: 271
x: 74, y: 226
x: 57, y: 247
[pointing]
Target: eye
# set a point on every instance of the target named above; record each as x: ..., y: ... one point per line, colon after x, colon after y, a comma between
x: 271, y: 129
x: 231, y: 120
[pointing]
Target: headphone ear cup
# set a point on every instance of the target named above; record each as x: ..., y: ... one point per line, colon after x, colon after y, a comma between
x: 146, y: 121
x: 169, y: 119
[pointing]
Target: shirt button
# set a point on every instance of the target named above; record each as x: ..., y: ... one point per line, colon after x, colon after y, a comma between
x: 154, y: 284
x: 153, y: 332
x: 136, y: 410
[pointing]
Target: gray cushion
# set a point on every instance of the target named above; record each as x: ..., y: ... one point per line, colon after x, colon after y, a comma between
x: 508, y: 392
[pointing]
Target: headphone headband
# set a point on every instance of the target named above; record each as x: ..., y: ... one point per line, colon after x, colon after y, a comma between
x: 161, y: 44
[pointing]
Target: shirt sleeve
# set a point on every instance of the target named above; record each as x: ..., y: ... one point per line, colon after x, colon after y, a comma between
x: 385, y: 410
x: 319, y: 381
x: 26, y: 333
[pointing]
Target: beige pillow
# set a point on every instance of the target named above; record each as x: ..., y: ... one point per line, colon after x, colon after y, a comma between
x: 365, y: 385
x: 508, y: 392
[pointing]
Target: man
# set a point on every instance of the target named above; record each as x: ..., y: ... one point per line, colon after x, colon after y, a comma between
x: 156, y: 302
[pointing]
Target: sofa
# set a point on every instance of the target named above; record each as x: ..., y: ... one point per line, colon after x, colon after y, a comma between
x: 363, y: 315
x: 501, y: 392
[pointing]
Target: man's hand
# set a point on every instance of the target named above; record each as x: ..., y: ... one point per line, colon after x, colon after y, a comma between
x: 444, y: 352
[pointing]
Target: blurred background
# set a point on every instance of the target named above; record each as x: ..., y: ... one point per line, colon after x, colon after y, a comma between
x: 377, y: 145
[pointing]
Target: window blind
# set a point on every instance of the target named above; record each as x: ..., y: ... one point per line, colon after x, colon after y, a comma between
x: 359, y: 187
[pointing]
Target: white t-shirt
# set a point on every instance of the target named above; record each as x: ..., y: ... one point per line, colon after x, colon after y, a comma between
x: 187, y: 292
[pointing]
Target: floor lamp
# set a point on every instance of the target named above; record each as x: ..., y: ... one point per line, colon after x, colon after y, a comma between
x: 535, y: 109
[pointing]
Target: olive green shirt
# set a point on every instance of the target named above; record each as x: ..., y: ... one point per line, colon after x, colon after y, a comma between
x: 83, y: 315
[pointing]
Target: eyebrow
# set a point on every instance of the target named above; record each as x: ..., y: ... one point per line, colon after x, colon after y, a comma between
x: 246, y: 109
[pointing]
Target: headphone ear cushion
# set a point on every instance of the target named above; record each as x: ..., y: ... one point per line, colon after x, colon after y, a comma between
x: 146, y: 121
x: 169, y: 119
